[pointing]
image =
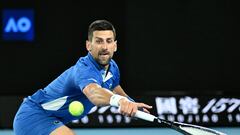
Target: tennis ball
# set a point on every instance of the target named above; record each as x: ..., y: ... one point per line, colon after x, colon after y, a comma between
x: 76, y: 108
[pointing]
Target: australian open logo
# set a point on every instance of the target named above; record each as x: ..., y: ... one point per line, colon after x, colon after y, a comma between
x: 18, y: 25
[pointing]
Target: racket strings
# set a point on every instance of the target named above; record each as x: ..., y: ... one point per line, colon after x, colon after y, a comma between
x: 199, y: 131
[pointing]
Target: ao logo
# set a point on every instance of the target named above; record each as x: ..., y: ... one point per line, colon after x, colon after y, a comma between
x: 22, y: 24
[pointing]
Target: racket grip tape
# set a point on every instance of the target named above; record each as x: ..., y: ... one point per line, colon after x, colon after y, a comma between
x: 145, y: 116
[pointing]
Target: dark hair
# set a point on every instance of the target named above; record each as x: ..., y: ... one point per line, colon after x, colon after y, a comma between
x: 100, y: 25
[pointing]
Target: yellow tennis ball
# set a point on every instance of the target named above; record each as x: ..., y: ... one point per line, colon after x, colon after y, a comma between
x: 76, y: 108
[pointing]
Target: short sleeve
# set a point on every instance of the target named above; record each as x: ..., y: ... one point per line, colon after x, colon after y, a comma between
x: 86, y: 76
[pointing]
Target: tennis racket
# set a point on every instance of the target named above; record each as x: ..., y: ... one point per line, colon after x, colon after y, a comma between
x: 186, y: 129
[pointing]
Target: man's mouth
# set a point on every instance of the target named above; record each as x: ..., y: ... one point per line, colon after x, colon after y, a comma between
x: 104, y: 53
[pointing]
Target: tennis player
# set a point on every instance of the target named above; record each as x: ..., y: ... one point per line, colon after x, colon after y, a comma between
x: 93, y: 80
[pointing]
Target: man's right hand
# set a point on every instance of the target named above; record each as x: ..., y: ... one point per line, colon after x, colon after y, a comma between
x: 129, y: 108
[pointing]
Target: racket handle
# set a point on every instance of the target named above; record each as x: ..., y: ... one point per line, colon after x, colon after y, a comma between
x: 145, y: 116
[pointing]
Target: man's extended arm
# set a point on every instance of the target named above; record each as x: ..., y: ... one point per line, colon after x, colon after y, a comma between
x: 102, y: 97
x: 97, y: 95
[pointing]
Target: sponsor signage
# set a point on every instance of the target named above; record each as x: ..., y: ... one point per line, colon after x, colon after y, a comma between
x: 18, y: 24
x: 199, y: 110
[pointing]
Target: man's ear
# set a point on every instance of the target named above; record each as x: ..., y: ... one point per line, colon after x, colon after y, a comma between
x: 115, y: 46
x: 88, y: 46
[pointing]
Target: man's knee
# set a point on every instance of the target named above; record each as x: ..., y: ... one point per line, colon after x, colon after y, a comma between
x: 63, y: 130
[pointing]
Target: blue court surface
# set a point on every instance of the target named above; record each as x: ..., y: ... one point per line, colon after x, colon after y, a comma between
x: 134, y: 131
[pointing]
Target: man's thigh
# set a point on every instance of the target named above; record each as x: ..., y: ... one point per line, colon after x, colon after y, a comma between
x: 63, y: 130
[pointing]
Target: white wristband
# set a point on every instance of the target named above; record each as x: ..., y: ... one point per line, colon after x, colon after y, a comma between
x: 115, y: 99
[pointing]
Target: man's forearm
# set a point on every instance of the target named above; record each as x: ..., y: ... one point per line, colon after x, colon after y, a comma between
x: 99, y: 96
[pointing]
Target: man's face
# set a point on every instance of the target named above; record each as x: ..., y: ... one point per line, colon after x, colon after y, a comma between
x: 102, y: 46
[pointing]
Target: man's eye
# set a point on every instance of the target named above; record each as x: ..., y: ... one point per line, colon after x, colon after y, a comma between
x: 98, y: 41
x: 109, y: 41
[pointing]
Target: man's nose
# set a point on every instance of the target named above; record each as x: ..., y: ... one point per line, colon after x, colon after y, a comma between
x: 104, y: 45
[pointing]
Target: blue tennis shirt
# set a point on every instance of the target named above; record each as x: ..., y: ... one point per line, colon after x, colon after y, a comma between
x: 56, y: 97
